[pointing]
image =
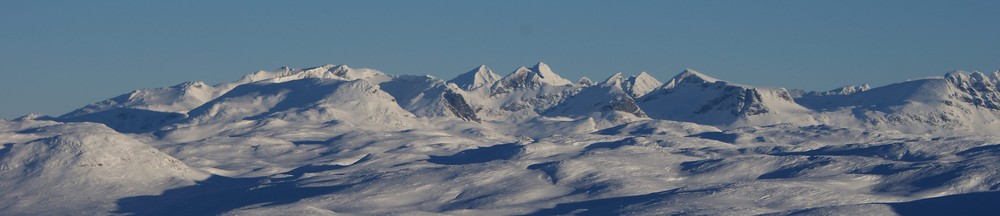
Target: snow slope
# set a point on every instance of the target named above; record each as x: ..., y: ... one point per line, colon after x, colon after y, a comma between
x: 427, y: 96
x: 639, y: 85
x: 476, y: 78
x: 958, y: 102
x: 523, y: 94
x: 334, y: 140
x: 81, y: 168
x: 695, y: 97
x: 309, y: 99
x: 605, y: 101
x: 176, y: 99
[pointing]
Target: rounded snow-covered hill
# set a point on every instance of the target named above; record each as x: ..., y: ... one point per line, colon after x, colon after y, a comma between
x: 81, y: 168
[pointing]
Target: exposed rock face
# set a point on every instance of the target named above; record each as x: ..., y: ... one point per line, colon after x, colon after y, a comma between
x: 584, y: 81
x: 626, y: 104
x: 737, y: 101
x: 458, y: 106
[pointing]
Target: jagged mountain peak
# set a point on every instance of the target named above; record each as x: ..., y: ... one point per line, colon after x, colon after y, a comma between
x: 548, y: 76
x: 354, y: 145
x: 616, y: 79
x: 975, y: 81
x: 635, y: 85
x: 585, y: 81
x: 476, y: 78
x: 865, y: 87
x: 844, y: 90
x: 329, y: 71
x: 542, y: 68
x: 641, y: 84
x: 957, y: 75
x: 536, y: 76
x: 689, y: 76
x: 695, y: 97
x: 974, y: 77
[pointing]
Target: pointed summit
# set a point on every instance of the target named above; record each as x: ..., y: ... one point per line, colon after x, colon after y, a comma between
x: 641, y: 84
x: 584, y: 81
x: 542, y: 69
x: 694, y: 75
x: 643, y: 76
x: 547, y: 75
x: 995, y: 76
x: 980, y: 76
x: 614, y: 80
x: 865, y: 87
x: 689, y: 76
x: 475, y: 78
x: 957, y: 75
x: 538, y: 75
x: 846, y: 90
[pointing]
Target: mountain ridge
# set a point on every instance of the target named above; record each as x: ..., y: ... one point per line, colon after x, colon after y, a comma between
x: 340, y: 140
x: 528, y: 93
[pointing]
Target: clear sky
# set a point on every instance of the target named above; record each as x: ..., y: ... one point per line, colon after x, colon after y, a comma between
x: 56, y: 56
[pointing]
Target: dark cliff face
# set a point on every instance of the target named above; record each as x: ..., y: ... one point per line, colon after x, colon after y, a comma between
x: 626, y: 104
x: 737, y: 101
x: 458, y: 106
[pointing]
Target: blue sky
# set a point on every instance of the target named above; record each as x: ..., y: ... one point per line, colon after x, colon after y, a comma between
x: 56, y: 56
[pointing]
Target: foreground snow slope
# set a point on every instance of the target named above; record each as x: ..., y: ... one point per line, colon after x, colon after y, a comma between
x: 53, y: 168
x: 335, y: 140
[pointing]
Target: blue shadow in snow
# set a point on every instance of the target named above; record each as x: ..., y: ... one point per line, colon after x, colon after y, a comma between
x: 606, y: 206
x: 219, y: 194
x: 480, y: 155
x: 981, y: 203
x: 894, y: 151
x: 986, y: 149
x: 320, y: 142
x: 610, y: 145
x: 797, y: 170
x: 717, y: 136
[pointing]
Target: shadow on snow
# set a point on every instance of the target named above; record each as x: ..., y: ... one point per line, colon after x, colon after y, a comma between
x: 480, y: 155
x: 219, y: 194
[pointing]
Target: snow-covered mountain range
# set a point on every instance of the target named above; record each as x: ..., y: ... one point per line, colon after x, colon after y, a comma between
x: 334, y: 139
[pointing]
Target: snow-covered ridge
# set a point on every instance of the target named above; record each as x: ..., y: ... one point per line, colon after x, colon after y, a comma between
x: 533, y: 77
x: 475, y: 78
x: 334, y: 140
x: 526, y: 93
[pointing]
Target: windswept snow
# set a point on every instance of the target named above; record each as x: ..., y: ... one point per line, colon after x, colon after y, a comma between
x: 335, y: 140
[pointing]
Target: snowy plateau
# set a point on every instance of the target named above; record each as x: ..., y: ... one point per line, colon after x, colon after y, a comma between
x: 335, y: 140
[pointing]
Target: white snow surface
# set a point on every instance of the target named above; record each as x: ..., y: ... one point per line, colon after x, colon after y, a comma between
x: 476, y: 78
x: 334, y: 140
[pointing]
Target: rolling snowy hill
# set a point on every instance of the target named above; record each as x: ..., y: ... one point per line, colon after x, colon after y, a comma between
x: 335, y: 140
